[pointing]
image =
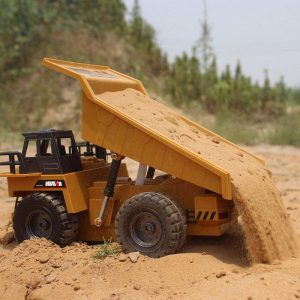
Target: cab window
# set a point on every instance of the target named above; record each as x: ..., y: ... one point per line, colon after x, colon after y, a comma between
x: 64, y: 146
x: 30, y: 148
x: 45, y: 148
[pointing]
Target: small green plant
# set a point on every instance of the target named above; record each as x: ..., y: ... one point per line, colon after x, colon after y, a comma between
x: 108, y: 248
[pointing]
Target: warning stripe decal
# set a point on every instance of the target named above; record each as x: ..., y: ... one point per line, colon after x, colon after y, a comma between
x: 205, y: 215
x: 201, y: 216
x: 212, y: 215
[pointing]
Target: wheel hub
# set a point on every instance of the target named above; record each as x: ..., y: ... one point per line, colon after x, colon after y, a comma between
x: 149, y: 227
x: 146, y: 229
x: 39, y: 224
x: 44, y: 224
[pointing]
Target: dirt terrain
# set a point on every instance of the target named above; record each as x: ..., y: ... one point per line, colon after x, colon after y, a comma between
x: 212, y: 268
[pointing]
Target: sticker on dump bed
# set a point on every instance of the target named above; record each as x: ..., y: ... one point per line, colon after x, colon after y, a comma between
x: 92, y: 73
x: 50, y: 184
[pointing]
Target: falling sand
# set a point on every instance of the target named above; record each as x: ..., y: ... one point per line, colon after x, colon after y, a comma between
x: 267, y: 229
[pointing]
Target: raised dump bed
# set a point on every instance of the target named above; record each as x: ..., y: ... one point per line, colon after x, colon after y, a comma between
x: 118, y: 114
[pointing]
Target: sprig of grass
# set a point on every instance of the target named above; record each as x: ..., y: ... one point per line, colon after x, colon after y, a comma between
x: 108, y: 248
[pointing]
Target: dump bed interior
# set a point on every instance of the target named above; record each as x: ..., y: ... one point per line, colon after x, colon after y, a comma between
x: 108, y: 123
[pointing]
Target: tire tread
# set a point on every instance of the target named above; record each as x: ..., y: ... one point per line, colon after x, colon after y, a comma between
x: 175, y: 219
x: 68, y: 224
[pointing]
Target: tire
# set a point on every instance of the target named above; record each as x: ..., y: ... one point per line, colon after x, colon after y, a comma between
x: 150, y: 223
x: 44, y: 215
x: 183, y: 234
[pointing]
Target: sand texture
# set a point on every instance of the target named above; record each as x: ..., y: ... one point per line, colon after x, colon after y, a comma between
x: 206, y: 268
x: 267, y: 229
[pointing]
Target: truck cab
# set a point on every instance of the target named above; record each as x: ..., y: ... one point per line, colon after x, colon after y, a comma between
x: 50, y: 152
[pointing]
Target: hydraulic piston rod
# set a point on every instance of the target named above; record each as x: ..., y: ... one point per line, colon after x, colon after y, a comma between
x: 110, y: 186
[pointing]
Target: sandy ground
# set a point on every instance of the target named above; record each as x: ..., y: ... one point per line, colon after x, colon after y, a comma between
x: 211, y: 268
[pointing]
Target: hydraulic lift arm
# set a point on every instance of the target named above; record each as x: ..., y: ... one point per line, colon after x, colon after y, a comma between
x: 110, y: 186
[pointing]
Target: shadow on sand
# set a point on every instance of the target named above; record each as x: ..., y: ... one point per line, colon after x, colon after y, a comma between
x: 228, y: 248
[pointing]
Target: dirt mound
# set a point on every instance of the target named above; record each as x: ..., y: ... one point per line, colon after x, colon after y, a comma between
x: 267, y: 229
x: 209, y: 268
x: 37, y: 263
x: 39, y: 269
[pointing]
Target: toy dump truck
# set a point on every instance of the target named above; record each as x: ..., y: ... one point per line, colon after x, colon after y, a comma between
x: 67, y: 191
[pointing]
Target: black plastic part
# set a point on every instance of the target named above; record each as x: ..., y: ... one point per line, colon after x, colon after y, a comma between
x: 91, y: 150
x: 12, y: 162
x: 100, y: 152
x: 150, y: 173
x: 50, y: 156
x: 112, y: 177
x: 17, y: 202
x: 88, y: 148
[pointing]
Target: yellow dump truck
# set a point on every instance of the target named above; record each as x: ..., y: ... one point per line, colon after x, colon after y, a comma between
x: 67, y: 191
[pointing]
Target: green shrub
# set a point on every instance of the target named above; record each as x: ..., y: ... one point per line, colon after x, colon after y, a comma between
x: 286, y: 131
x: 236, y: 128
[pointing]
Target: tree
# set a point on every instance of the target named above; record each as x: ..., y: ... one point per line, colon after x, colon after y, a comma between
x: 195, y: 80
x: 136, y: 22
x: 226, y: 75
x: 204, y: 44
x: 266, y: 93
x: 212, y: 73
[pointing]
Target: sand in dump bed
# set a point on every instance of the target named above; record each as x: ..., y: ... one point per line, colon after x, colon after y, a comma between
x: 267, y: 229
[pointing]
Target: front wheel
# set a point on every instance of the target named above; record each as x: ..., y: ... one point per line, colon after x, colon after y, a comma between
x: 150, y: 223
x: 44, y: 215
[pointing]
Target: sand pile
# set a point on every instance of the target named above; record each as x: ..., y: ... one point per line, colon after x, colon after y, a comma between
x: 39, y: 269
x: 25, y: 272
x: 268, y: 232
x: 38, y: 263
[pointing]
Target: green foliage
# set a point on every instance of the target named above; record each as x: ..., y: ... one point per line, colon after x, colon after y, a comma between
x: 96, y: 31
x: 142, y: 36
x: 107, y: 249
x: 236, y: 128
x: 242, y: 129
x: 196, y: 78
x: 294, y: 96
x: 140, y: 32
x: 17, y: 31
x: 91, y: 31
x: 286, y: 130
x: 185, y: 73
x: 26, y: 25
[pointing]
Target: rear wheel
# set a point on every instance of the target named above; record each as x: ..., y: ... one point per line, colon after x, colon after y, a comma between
x: 150, y: 223
x: 183, y: 234
x: 44, y: 215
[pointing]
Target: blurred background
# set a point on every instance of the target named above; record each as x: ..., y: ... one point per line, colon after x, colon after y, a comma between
x: 233, y: 66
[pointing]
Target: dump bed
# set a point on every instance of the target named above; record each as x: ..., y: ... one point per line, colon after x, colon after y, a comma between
x: 118, y: 114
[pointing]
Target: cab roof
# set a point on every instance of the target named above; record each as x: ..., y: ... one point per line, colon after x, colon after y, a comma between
x: 48, y: 133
